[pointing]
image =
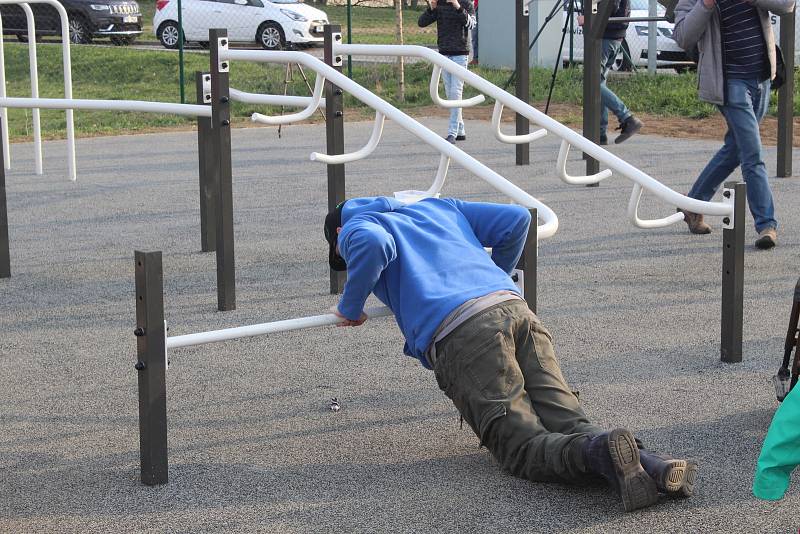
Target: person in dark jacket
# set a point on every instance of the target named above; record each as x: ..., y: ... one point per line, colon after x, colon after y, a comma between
x: 454, y: 19
x: 463, y: 317
x: 612, y: 44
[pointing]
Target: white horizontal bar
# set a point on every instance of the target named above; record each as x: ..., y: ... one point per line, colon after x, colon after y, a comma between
x: 605, y: 157
x: 227, y: 334
x: 191, y: 110
x: 273, y: 100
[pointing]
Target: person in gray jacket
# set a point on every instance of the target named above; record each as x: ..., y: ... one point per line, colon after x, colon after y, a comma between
x: 735, y: 67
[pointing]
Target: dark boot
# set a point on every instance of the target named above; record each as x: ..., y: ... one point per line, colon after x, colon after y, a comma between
x: 615, y: 456
x: 629, y: 127
x: 673, y: 476
x: 695, y: 222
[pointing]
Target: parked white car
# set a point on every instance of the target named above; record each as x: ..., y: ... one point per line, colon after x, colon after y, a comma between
x: 272, y: 24
x: 634, y: 45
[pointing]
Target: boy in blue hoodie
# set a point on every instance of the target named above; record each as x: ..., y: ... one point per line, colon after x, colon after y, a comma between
x: 463, y: 317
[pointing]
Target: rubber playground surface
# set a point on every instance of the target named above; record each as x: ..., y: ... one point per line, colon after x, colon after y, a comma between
x: 253, y: 444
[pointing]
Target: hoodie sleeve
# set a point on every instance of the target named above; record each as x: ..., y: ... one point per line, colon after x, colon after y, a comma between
x: 367, y: 248
x: 691, y: 20
x: 428, y: 17
x: 503, y: 227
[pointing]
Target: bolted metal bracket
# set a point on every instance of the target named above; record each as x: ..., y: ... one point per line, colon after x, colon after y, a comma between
x: 207, y: 88
x: 224, y: 64
x: 594, y: 6
x: 526, y: 11
x: 518, y: 277
x: 166, y: 350
x: 728, y: 197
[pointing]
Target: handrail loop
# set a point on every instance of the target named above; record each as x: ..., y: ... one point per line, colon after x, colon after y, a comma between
x: 466, y: 103
x: 633, y: 215
x: 561, y: 167
x: 273, y: 100
x: 295, y: 117
x: 363, y: 152
x: 512, y: 139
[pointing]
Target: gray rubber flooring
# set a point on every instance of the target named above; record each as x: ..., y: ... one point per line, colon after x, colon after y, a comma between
x: 253, y: 445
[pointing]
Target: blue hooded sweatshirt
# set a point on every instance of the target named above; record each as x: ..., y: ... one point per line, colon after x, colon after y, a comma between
x: 425, y: 259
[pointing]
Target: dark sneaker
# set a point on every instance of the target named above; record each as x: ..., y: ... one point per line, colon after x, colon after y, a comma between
x: 629, y: 127
x: 695, y: 222
x: 451, y: 139
x: 603, y: 140
x: 461, y: 137
x: 615, y: 456
x: 673, y: 476
x: 767, y: 238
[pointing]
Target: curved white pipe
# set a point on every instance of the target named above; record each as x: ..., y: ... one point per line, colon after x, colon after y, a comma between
x: 294, y: 117
x: 633, y: 213
x: 547, y: 229
x: 34, y: 69
x: 561, y: 167
x: 619, y: 166
x: 434, y: 88
x: 273, y: 100
x: 191, y: 110
x: 226, y: 334
x: 363, y: 152
x: 512, y: 139
x: 4, y: 111
x: 441, y: 174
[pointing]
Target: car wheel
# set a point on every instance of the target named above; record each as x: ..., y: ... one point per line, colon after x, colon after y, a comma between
x: 79, y: 31
x: 623, y: 60
x: 122, y: 40
x: 169, y: 34
x: 270, y: 36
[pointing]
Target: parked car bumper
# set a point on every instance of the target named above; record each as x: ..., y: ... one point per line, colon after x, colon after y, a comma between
x: 128, y: 25
x: 305, y: 32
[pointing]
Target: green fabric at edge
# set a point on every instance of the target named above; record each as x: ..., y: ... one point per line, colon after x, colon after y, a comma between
x: 781, y: 451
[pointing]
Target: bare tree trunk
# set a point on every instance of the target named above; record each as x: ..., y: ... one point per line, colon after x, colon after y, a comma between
x: 398, y: 9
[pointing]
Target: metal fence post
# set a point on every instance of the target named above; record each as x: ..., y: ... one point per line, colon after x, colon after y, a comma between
x: 733, y: 274
x: 595, y: 21
x: 207, y: 166
x: 786, y: 98
x: 221, y: 132
x: 334, y: 133
x: 5, y: 254
x: 522, y: 88
x: 151, y: 367
x: 528, y: 262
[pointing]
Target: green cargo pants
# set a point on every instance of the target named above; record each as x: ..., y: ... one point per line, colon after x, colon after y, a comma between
x: 500, y: 371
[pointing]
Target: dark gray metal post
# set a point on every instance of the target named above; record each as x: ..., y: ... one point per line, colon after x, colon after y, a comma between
x: 208, y: 169
x: 221, y: 133
x: 528, y: 262
x: 786, y: 98
x: 733, y: 275
x: 151, y: 366
x: 522, y: 89
x: 334, y: 132
x: 5, y: 254
x: 593, y: 27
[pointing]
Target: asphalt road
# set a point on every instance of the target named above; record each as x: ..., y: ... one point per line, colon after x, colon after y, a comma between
x: 253, y: 445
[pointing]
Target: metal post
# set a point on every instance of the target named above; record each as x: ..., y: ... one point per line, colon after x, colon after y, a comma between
x: 786, y: 98
x: 5, y: 255
x: 207, y: 166
x: 349, y: 38
x: 596, y: 16
x: 528, y: 262
x: 522, y: 89
x: 334, y: 132
x: 180, y: 53
x: 151, y: 365
x: 733, y: 274
x: 221, y: 132
x: 652, y: 35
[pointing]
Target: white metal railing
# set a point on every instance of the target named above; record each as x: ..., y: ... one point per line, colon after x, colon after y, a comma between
x: 446, y: 150
x: 272, y: 100
x: 190, y: 110
x: 567, y: 135
x: 363, y: 152
x: 301, y: 115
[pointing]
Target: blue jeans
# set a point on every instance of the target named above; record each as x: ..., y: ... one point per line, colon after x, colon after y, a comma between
x: 746, y: 104
x: 608, y: 99
x: 454, y: 88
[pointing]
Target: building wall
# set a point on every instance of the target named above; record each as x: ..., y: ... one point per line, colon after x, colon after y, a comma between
x: 496, y: 32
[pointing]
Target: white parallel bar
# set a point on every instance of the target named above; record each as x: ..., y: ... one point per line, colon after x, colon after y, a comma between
x: 497, y: 113
x: 4, y: 111
x: 561, y: 167
x: 633, y: 213
x: 227, y: 334
x: 605, y: 157
x: 34, y: 69
x: 363, y: 152
x: 273, y: 100
x: 191, y: 110
x: 547, y: 229
x: 434, y: 90
x: 319, y: 83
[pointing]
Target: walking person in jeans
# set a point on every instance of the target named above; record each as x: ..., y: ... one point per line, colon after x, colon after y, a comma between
x: 463, y: 316
x: 736, y: 65
x: 612, y: 44
x: 454, y: 19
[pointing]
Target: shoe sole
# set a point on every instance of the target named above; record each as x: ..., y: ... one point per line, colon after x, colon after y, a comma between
x: 621, y: 138
x: 636, y: 487
x: 679, y: 478
x: 765, y: 243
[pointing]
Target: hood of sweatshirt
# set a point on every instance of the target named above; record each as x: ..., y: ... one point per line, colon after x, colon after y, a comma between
x: 357, y: 206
